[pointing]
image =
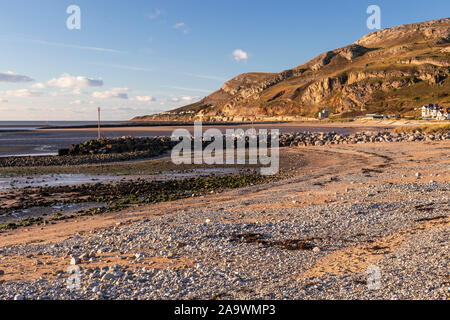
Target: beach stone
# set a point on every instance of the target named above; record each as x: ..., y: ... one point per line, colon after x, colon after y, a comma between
x: 108, y: 276
x: 139, y: 255
x: 75, y: 261
x: 84, y: 256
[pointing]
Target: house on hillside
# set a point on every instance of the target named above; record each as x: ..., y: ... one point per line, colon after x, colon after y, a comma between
x: 443, y: 114
x: 323, y: 114
x: 434, y: 111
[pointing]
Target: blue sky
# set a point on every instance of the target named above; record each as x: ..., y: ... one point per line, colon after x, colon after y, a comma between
x: 141, y: 56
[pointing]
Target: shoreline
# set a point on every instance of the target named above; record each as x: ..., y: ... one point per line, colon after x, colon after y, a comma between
x: 131, y: 148
x: 32, y: 141
x: 144, y: 125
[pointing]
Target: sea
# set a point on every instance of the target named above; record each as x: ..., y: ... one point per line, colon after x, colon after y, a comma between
x: 24, y: 138
x: 33, y: 125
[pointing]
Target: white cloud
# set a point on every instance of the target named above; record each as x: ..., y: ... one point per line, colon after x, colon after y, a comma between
x: 68, y: 81
x: 188, y: 99
x: 179, y: 25
x: 144, y: 98
x: 38, y: 85
x: 22, y: 93
x: 240, y: 55
x: 185, y: 99
x: 182, y: 26
x: 119, y: 93
x: 14, y: 77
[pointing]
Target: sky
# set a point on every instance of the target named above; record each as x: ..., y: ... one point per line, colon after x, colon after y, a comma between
x: 140, y: 57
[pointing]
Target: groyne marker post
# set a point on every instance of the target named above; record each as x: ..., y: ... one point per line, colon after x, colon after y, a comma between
x: 99, y: 133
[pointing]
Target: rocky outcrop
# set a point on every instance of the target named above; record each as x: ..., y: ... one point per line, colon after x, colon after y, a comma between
x: 252, y: 91
x: 322, y: 60
x: 418, y: 62
x: 353, y: 51
x: 430, y: 30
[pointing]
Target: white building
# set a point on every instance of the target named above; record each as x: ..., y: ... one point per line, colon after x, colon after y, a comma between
x: 434, y: 111
x: 323, y: 114
x: 443, y: 114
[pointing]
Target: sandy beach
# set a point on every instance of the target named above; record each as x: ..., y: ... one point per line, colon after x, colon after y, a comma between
x: 338, y: 210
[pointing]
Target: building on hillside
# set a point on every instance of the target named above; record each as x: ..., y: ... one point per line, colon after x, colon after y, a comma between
x: 323, y: 114
x: 434, y: 111
x: 443, y: 114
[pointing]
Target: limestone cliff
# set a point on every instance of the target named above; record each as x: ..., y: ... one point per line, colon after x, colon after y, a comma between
x: 392, y: 71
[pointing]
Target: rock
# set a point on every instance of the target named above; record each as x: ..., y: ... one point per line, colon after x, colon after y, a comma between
x: 18, y: 297
x: 139, y: 255
x: 84, y: 256
x: 108, y: 276
x: 75, y: 261
x: 2, y: 272
x: 316, y: 249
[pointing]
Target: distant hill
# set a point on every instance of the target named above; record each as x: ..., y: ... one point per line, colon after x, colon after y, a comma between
x: 391, y: 71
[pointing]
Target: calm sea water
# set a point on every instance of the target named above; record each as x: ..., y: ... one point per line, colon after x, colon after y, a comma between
x: 31, y: 125
x: 20, y: 138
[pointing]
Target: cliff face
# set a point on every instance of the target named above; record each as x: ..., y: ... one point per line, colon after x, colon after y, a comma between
x: 392, y: 71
